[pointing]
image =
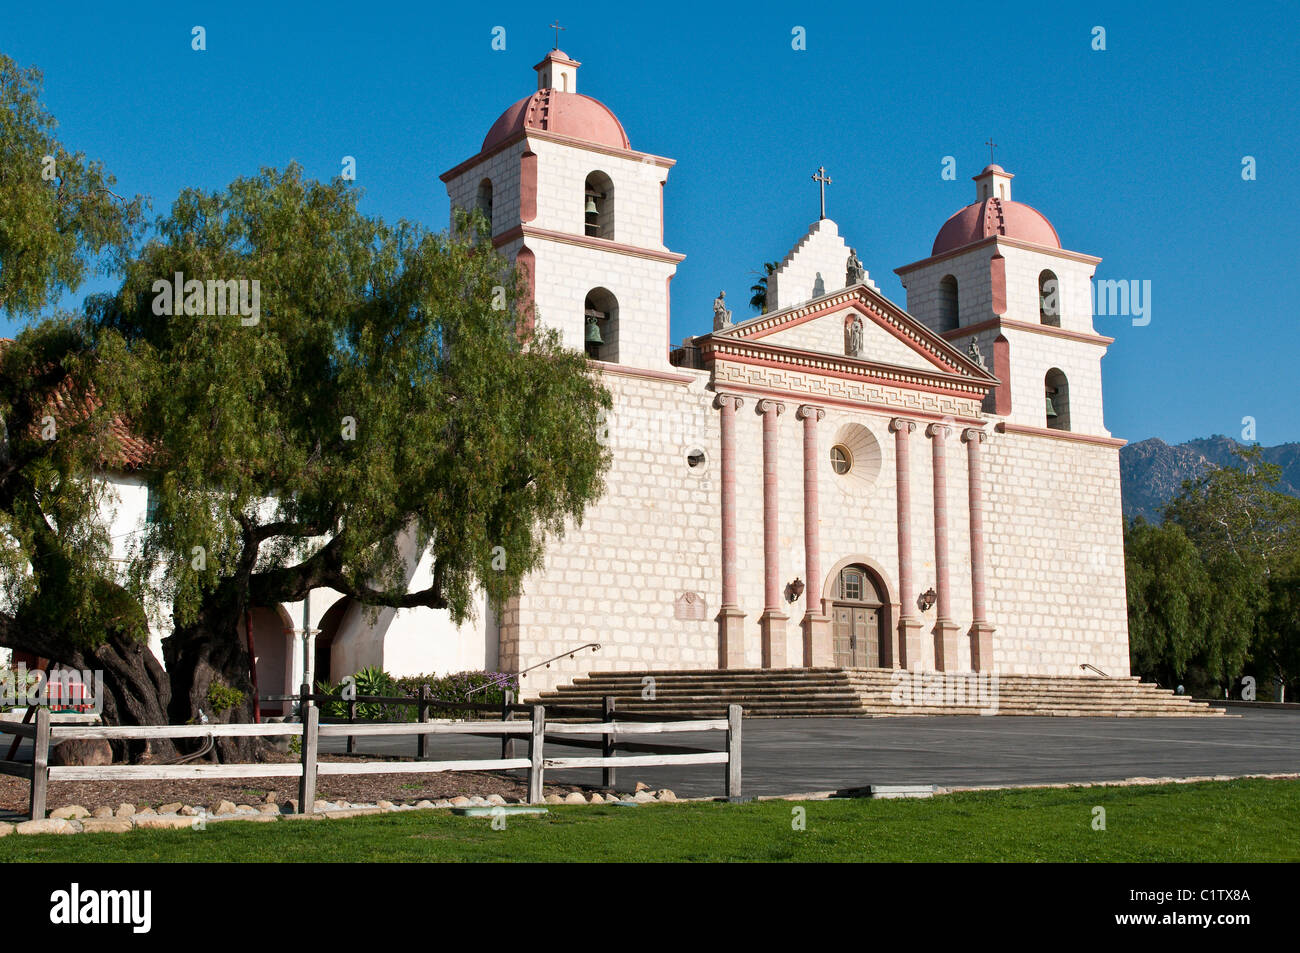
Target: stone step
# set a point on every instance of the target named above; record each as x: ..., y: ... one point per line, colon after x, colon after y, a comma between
x: 863, y: 693
x: 751, y: 702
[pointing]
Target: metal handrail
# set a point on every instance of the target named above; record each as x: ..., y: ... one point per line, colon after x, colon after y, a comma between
x: 1095, y: 669
x: 501, y: 680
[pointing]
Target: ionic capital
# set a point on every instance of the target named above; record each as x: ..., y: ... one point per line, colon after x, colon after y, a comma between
x: 937, y: 431
x: 731, y: 401
x: 973, y: 433
x: 901, y: 423
x: 809, y: 410
x: 767, y: 406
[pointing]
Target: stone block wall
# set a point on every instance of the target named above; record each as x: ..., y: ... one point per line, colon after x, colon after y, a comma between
x: 653, y: 536
x: 1055, y: 566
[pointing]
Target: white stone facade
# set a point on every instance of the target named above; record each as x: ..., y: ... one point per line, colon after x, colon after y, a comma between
x: 643, y: 575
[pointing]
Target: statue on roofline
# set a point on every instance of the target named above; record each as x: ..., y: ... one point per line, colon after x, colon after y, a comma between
x: 721, y: 314
x: 855, y: 274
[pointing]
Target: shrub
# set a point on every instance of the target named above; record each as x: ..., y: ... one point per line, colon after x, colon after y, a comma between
x: 222, y: 698
x: 457, y: 687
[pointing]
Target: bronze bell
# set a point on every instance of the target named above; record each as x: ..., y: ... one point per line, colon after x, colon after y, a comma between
x: 593, y: 328
x: 1051, y: 409
x: 591, y: 204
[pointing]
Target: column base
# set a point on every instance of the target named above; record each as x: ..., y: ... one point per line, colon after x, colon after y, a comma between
x: 818, y: 648
x: 909, y: 643
x: 731, y: 637
x: 945, y: 645
x: 771, y: 624
x: 981, y: 646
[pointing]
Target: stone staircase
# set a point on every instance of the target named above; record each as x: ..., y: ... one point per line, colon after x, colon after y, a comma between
x: 873, y: 693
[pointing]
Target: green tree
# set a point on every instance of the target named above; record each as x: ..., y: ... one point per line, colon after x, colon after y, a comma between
x: 383, y: 406
x: 58, y: 213
x: 1239, y: 609
x: 758, y: 290
x: 62, y: 600
x: 1168, y: 589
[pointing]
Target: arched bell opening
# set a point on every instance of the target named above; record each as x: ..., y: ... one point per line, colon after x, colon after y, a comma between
x: 600, y: 320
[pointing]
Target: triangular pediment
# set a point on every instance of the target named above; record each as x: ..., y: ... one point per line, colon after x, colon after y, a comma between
x: 887, y: 336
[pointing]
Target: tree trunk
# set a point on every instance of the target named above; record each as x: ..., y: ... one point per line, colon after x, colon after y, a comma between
x: 205, y: 657
x: 136, y: 689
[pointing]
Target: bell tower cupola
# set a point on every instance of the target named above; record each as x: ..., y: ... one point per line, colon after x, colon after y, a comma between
x: 580, y: 213
x: 557, y: 71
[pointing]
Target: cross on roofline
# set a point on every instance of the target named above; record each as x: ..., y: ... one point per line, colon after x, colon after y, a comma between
x: 557, y: 28
x: 823, y: 180
x: 992, y: 145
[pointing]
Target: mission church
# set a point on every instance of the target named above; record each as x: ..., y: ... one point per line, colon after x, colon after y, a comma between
x: 838, y: 482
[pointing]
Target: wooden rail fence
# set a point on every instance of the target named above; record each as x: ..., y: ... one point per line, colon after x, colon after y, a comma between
x: 613, y: 730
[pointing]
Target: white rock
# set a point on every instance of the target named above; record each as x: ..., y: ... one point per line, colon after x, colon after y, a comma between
x: 53, y: 825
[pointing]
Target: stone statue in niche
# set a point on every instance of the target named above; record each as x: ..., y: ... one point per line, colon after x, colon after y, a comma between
x: 976, y: 355
x: 855, y: 274
x: 853, y: 337
x: 819, y: 286
x: 721, y: 314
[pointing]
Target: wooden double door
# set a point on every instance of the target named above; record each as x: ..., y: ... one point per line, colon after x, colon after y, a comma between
x: 857, y: 636
x: 856, y: 619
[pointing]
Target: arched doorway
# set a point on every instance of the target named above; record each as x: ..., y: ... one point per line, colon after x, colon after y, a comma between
x: 322, y: 663
x: 858, y: 620
x: 271, y: 632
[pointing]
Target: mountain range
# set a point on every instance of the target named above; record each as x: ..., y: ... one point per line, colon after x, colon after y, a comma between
x: 1152, y: 472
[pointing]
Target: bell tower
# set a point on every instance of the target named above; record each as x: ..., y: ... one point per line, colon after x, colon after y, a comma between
x: 580, y: 212
x: 999, y: 285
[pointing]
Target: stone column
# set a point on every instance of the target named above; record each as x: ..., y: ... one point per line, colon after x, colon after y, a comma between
x: 945, y: 630
x: 981, y: 633
x: 818, y: 649
x: 731, y: 621
x: 909, y: 624
x: 772, y: 622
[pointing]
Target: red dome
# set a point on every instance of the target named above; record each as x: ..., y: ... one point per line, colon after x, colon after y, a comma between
x: 564, y: 114
x: 995, y: 217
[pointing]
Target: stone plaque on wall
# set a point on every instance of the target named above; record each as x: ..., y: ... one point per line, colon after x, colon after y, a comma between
x: 689, y: 606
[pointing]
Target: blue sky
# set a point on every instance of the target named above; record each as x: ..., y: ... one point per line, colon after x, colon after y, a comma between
x: 1134, y: 153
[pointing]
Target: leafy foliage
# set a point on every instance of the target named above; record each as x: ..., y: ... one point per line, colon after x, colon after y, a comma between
x: 58, y: 213
x: 382, y: 407
x: 1214, y: 593
x: 758, y: 291
x: 222, y: 698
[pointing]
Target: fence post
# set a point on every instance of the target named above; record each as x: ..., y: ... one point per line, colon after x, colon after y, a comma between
x: 352, y: 717
x: 40, y: 763
x: 422, y: 743
x: 607, y: 745
x: 507, y: 741
x: 310, y: 724
x: 535, y: 755
x: 733, y: 750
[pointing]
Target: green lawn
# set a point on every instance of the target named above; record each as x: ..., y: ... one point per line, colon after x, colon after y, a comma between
x: 1249, y: 820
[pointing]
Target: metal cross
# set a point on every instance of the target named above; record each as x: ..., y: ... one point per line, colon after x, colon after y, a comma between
x: 822, y: 180
x: 557, y: 28
x: 992, y: 145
